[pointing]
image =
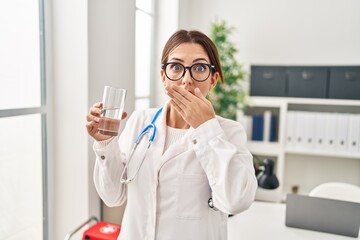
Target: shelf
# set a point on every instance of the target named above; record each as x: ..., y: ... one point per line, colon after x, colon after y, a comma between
x: 274, y: 195
x: 267, y: 102
x: 262, y: 148
x: 313, y: 152
x: 321, y: 101
x: 303, y: 167
x: 279, y: 101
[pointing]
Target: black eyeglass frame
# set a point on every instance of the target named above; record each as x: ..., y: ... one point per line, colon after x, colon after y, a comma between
x: 211, y: 67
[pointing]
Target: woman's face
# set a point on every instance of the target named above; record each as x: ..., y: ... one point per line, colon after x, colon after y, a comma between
x: 188, y: 54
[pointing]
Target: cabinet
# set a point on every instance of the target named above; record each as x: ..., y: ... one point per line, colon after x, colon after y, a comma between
x: 334, y: 82
x: 302, y: 168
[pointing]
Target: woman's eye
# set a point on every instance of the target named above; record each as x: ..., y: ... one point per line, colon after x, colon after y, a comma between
x: 200, y: 68
x: 175, y: 67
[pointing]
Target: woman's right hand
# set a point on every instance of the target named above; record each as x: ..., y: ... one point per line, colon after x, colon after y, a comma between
x: 93, y: 120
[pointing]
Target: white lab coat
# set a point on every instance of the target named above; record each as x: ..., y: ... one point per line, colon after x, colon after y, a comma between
x: 168, y: 200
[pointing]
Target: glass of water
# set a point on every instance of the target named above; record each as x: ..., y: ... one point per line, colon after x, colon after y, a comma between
x: 113, y: 107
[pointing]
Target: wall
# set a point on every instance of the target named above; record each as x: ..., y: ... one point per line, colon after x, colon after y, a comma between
x: 69, y: 80
x: 270, y: 32
x: 298, y: 32
x: 166, y: 22
x: 111, y: 62
x: 91, y: 44
x: 283, y: 32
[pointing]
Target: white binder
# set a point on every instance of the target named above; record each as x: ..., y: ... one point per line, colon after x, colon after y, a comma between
x: 246, y: 122
x: 320, y: 128
x: 330, y: 132
x: 267, y: 121
x: 342, y: 128
x: 300, y: 130
x: 290, y: 129
x: 308, y: 130
x: 354, y: 133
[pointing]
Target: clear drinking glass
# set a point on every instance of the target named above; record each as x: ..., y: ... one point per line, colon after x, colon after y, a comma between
x: 113, y: 107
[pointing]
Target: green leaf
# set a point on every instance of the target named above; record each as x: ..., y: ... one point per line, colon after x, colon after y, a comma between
x: 229, y: 97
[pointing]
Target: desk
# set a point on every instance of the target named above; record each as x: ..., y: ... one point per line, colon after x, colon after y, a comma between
x: 264, y: 220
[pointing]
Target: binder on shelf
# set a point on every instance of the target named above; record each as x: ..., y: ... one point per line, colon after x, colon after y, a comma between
x: 273, y: 128
x: 342, y: 126
x: 309, y: 130
x: 248, y: 125
x: 257, y: 127
x: 299, y: 132
x: 267, y: 119
x: 330, y: 131
x: 320, y: 128
x: 290, y: 129
x: 304, y: 130
x: 246, y: 122
x: 269, y: 126
x: 354, y: 133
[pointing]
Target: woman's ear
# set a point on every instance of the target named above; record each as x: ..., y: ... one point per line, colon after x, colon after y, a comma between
x: 214, y: 79
x: 163, y: 76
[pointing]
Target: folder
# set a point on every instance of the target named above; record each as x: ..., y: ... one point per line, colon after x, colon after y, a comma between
x: 300, y: 127
x: 308, y: 130
x: 354, y: 133
x: 257, y: 127
x: 290, y: 129
x: 330, y: 131
x: 248, y: 125
x: 342, y: 127
x: 320, y: 128
x: 267, y: 122
x: 246, y: 122
x: 273, y: 128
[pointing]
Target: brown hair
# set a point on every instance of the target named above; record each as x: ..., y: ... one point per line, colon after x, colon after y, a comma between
x: 183, y: 36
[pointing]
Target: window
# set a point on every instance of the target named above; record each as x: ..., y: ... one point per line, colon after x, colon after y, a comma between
x: 143, y: 47
x: 22, y: 122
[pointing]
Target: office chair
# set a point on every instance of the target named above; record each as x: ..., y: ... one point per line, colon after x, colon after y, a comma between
x: 338, y: 191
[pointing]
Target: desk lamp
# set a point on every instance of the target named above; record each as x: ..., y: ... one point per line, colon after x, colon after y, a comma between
x: 267, y: 179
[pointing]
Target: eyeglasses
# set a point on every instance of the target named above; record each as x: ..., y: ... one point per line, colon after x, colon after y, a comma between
x: 198, y: 71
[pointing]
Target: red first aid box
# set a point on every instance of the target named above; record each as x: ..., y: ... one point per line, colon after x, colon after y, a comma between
x: 102, y: 231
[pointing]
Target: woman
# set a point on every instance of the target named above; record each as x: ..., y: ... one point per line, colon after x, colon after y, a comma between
x: 198, y: 169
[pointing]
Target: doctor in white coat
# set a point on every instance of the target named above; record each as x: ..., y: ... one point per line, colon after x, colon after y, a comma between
x: 198, y: 169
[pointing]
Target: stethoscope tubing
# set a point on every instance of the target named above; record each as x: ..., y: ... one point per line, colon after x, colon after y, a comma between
x: 152, y: 136
x: 147, y: 129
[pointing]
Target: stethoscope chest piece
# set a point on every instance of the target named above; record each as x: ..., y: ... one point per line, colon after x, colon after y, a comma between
x: 211, y: 204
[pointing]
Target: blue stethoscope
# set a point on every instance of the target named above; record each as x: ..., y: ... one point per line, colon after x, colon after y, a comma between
x: 147, y: 129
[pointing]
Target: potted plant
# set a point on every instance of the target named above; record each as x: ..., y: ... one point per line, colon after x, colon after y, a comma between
x: 230, y: 97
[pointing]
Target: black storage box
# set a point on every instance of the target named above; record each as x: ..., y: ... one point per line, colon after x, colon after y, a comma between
x: 344, y: 82
x: 307, y: 82
x: 268, y: 81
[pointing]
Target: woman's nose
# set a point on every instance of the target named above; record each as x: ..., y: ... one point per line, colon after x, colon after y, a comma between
x: 187, y: 79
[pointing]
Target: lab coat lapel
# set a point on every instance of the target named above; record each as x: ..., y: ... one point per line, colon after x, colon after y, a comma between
x: 174, y: 150
x: 157, y: 150
x: 159, y: 143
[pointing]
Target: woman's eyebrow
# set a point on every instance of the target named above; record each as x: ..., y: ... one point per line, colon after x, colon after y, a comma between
x: 200, y: 59
x: 176, y: 59
x: 182, y: 61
